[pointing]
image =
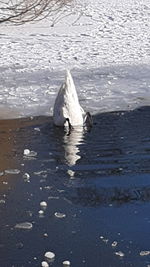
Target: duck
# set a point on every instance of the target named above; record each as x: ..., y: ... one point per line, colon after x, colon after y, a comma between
x: 67, y: 111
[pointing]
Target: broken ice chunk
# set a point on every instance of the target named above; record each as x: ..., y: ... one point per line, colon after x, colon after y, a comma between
x: 41, y: 213
x: 24, y: 226
x: 66, y: 263
x: 43, y: 204
x: 145, y: 253
x: 26, y: 152
x: 114, y: 244
x: 60, y: 215
x: 29, y: 153
x: 12, y: 171
x: 44, y: 264
x: 49, y: 255
x: 119, y: 253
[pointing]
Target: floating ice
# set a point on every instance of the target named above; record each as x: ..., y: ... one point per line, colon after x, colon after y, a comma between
x: 43, y: 204
x: 41, y: 212
x: 49, y: 255
x: 12, y: 171
x: 45, y: 234
x: 5, y: 182
x: 145, y: 253
x: 44, y: 264
x: 66, y: 263
x: 26, y: 152
x: 29, y: 153
x: 119, y: 253
x: 114, y: 244
x: 24, y: 226
x: 1, y: 173
x: 60, y: 215
x: 26, y: 175
x: 37, y: 129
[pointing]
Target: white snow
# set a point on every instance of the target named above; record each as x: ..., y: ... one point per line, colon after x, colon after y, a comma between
x: 104, y: 42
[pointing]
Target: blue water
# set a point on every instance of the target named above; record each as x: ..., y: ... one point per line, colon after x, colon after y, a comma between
x: 99, y: 178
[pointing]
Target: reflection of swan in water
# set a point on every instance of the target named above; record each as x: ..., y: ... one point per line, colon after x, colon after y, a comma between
x: 72, y: 143
x: 67, y: 110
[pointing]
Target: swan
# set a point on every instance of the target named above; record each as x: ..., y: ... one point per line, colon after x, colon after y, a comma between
x: 67, y: 110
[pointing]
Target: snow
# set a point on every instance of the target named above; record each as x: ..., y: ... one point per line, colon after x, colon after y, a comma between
x: 104, y: 42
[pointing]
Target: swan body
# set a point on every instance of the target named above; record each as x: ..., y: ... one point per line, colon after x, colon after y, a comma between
x: 67, y: 110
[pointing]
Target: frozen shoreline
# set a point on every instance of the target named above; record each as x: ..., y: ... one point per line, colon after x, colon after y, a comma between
x: 107, y: 49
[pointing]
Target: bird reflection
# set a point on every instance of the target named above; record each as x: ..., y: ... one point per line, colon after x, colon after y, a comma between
x: 72, y: 142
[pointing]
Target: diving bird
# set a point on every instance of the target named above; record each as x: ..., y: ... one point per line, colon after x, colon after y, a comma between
x: 67, y: 110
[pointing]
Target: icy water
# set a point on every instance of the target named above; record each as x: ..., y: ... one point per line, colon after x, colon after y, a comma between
x: 96, y: 186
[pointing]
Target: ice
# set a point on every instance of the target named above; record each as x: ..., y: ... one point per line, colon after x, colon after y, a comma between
x: 45, y: 235
x: 26, y: 177
x: 43, y: 204
x: 60, y: 215
x: 44, y: 264
x: 119, y: 253
x: 29, y: 154
x: 96, y: 35
x: 49, y: 255
x: 37, y: 129
x: 66, y: 263
x: 114, y: 244
x: 24, y: 226
x: 41, y: 213
x: 5, y: 182
x: 145, y: 253
x: 26, y: 152
x: 12, y: 171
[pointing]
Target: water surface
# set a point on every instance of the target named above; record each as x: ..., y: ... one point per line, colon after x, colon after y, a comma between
x: 98, y: 179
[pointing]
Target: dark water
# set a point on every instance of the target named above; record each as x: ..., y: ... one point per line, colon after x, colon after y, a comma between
x: 100, y: 179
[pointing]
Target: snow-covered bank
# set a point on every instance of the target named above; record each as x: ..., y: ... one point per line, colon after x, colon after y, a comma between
x: 107, y: 49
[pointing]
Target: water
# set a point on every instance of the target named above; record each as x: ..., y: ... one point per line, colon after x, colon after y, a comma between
x: 97, y: 179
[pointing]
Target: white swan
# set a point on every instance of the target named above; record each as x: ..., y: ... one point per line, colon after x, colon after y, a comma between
x: 67, y: 110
